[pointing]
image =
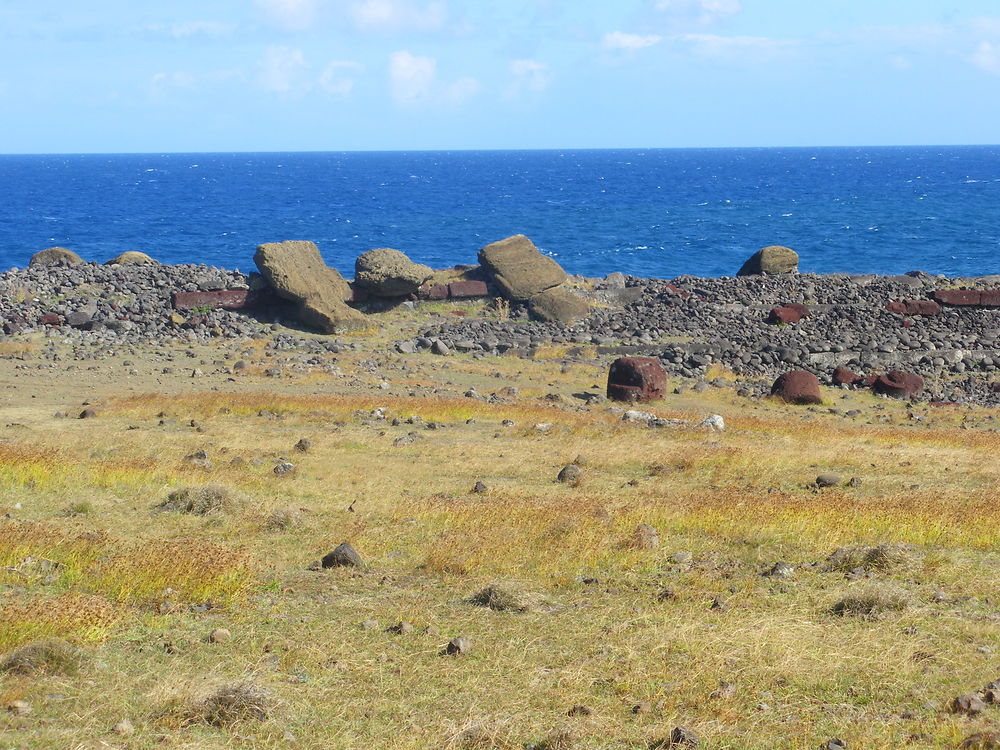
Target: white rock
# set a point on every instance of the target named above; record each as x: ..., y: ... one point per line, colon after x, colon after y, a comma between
x: 714, y: 423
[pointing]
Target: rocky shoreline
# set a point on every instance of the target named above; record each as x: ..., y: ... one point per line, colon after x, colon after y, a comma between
x: 754, y: 326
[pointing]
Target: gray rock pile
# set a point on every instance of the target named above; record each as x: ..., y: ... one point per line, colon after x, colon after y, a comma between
x: 108, y: 301
x: 691, y: 323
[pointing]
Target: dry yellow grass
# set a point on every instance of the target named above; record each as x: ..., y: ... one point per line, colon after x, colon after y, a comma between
x: 611, y: 626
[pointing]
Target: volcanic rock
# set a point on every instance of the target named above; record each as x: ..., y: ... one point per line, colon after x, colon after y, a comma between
x: 636, y: 379
x: 558, y: 305
x: 784, y: 315
x: 797, y: 387
x: 843, y: 376
x: 519, y: 269
x: 386, y: 272
x: 129, y: 256
x: 296, y: 271
x: 343, y: 556
x: 55, y: 256
x: 467, y: 289
x: 899, y: 384
x: 770, y: 260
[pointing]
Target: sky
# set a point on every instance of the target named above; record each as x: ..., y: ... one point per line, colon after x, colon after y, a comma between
x: 80, y: 76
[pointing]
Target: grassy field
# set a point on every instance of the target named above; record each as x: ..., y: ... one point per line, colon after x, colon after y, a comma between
x: 196, y: 618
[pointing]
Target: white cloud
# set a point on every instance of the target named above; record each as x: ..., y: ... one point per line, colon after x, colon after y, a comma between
x: 282, y: 70
x: 529, y: 76
x: 715, y: 45
x: 987, y: 57
x: 413, y: 80
x: 623, y: 41
x: 706, y: 11
x: 462, y: 89
x: 337, y: 77
x: 399, y: 14
x: 411, y: 77
x: 290, y: 14
x: 191, y: 28
x: 178, y: 79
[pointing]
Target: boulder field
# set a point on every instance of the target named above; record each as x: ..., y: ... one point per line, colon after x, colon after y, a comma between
x: 910, y: 336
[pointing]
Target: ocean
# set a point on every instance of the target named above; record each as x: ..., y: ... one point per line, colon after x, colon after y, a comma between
x: 655, y: 213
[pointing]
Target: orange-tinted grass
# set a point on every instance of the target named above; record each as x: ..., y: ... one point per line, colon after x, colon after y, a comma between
x: 206, y: 405
x: 566, y: 535
x: 79, y: 616
x: 126, y: 572
x: 35, y: 466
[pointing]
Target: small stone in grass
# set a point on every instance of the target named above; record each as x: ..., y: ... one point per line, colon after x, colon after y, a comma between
x: 19, y: 708
x: 458, y: 646
x: 828, y: 480
x: 124, y: 728
x: 219, y: 635
x: 570, y: 474
x: 343, y: 556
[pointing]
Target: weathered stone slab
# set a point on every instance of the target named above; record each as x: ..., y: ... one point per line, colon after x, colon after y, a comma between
x: 558, y: 305
x: 386, y: 272
x: 773, y: 259
x: 433, y: 291
x: 55, y: 256
x: 959, y: 297
x: 926, y: 307
x: 467, y: 289
x: 227, y: 299
x: 519, y: 269
x: 296, y: 271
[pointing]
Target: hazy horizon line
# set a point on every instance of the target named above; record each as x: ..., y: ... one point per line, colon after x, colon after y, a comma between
x: 501, y: 150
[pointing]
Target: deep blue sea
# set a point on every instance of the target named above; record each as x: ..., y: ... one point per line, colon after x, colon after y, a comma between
x: 658, y: 212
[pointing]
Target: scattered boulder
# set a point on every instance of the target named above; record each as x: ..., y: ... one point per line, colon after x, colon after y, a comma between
x: 680, y: 736
x: 55, y: 256
x: 899, y: 384
x: 773, y: 259
x: 458, y: 646
x: 843, y: 376
x: 981, y: 741
x: 558, y: 305
x: 343, y: 556
x: 296, y: 272
x: 519, y: 269
x: 570, y: 474
x: 784, y: 316
x: 780, y: 570
x: 828, y: 480
x: 967, y: 705
x: 636, y: 379
x: 129, y: 256
x: 645, y: 537
x: 219, y: 635
x: 386, y: 272
x: 797, y: 387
